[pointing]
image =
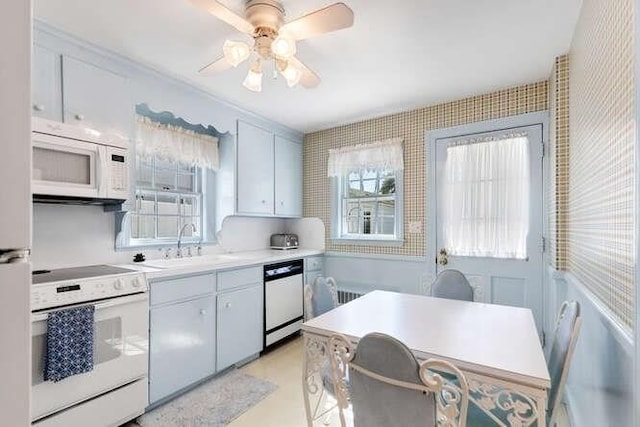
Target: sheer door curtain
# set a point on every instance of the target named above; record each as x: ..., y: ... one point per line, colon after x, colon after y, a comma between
x: 486, y: 197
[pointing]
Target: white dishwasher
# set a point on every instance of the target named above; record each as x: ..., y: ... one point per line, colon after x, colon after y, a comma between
x: 283, y: 306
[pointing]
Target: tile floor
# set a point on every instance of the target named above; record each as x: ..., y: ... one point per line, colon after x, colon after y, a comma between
x: 285, y: 406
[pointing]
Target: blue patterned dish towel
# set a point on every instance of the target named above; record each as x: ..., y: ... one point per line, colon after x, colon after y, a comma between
x: 69, y: 343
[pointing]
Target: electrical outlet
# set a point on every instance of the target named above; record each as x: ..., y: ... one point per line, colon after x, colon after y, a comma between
x: 415, y: 227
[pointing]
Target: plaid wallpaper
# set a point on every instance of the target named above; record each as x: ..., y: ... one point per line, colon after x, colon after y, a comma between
x: 411, y: 126
x: 601, y: 206
x: 558, y: 190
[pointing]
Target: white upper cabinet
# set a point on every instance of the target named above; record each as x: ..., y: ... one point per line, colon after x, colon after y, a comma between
x: 255, y: 170
x: 46, y: 86
x: 96, y: 97
x: 288, y: 177
x: 269, y: 174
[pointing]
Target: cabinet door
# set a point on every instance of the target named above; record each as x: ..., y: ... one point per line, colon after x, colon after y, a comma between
x: 46, y: 87
x: 182, y: 346
x: 240, y: 325
x: 288, y: 177
x: 96, y: 97
x: 255, y: 170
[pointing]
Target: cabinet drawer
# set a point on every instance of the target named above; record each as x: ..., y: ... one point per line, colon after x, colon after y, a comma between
x: 314, y: 264
x: 182, y: 288
x: 242, y: 277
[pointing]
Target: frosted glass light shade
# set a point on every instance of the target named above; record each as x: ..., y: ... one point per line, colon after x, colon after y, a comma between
x: 253, y: 81
x: 283, y: 47
x: 236, y: 52
x: 292, y: 75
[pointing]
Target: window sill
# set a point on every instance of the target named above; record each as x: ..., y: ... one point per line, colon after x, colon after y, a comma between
x: 367, y: 242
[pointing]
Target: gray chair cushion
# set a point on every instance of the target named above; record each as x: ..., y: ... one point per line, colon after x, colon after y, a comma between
x: 378, y: 404
x: 321, y: 301
x: 452, y: 284
x: 558, y: 357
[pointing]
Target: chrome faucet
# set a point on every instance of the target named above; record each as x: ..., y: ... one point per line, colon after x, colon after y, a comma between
x: 179, y: 252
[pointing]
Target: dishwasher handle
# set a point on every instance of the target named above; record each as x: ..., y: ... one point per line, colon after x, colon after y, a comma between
x: 282, y: 270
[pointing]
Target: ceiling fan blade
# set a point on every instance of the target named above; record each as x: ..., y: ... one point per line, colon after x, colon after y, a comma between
x: 223, y: 13
x: 331, y: 18
x: 216, y: 66
x: 309, y: 79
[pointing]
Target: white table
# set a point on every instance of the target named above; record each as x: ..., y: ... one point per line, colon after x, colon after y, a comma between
x: 497, y: 347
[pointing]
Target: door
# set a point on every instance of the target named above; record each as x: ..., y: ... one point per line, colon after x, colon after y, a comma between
x: 255, y: 170
x: 15, y: 199
x: 120, y: 352
x: 65, y: 167
x: 239, y: 325
x: 489, y: 207
x: 182, y: 346
x: 96, y: 97
x: 288, y: 177
x: 46, y: 88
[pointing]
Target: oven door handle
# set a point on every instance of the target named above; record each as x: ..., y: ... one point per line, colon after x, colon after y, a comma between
x: 112, y: 302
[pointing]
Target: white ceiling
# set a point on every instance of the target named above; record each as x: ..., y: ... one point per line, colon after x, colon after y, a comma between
x: 399, y: 55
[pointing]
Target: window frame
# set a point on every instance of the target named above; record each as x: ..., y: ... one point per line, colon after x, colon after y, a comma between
x: 338, y: 236
x: 201, y: 195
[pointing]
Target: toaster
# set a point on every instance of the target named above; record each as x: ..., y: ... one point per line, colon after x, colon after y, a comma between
x: 284, y: 241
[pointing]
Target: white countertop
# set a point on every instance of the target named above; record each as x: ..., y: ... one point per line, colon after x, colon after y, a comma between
x: 205, y: 263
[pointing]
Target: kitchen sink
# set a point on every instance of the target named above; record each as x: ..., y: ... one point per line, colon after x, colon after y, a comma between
x: 191, y: 261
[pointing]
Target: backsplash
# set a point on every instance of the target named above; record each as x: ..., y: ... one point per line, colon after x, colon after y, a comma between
x: 411, y: 126
x: 70, y: 236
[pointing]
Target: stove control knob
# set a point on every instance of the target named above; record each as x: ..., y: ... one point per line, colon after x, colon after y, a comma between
x: 118, y: 284
x: 136, y: 282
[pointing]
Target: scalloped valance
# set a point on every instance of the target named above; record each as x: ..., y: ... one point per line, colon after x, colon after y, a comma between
x: 175, y: 143
x: 385, y: 154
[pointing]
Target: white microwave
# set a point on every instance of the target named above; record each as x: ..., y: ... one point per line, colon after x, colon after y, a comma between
x: 74, y: 164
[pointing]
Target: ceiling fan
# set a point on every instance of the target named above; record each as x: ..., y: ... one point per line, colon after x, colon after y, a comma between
x: 273, y: 39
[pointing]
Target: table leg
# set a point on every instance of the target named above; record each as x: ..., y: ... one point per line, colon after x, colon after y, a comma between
x: 315, y: 396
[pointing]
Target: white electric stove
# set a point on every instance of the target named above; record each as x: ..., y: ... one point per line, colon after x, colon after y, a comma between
x: 116, y: 390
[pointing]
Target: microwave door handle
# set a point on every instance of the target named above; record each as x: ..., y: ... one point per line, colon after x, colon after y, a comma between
x: 101, y: 169
x: 113, y: 302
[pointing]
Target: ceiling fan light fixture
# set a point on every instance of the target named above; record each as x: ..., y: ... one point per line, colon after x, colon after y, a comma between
x: 283, y: 47
x: 236, y: 52
x: 291, y: 74
x: 253, y: 81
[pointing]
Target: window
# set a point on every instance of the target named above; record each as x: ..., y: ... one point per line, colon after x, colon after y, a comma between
x: 168, y: 197
x: 175, y: 165
x: 367, y: 203
x: 486, y: 197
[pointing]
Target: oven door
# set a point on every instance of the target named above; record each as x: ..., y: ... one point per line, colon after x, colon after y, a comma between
x: 65, y: 167
x: 121, y: 346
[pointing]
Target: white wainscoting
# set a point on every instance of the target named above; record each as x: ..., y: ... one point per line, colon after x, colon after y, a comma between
x: 365, y: 273
x: 599, y: 391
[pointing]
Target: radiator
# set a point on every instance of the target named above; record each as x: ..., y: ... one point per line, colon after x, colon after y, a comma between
x: 346, y: 296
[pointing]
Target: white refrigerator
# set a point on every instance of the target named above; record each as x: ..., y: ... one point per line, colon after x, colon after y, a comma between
x: 15, y: 212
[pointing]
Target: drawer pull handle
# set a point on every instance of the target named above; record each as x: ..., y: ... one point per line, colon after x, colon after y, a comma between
x: 79, y: 117
x: 203, y: 312
x: 38, y: 107
x: 228, y: 305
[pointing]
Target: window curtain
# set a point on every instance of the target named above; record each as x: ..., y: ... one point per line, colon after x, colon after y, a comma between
x: 486, y: 197
x: 382, y: 155
x: 174, y: 143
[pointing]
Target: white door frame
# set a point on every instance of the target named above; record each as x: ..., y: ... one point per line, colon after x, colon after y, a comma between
x: 529, y: 119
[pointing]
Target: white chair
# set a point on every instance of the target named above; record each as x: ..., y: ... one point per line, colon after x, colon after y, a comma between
x: 320, y: 297
x: 452, y: 284
x: 389, y: 387
x: 564, y: 342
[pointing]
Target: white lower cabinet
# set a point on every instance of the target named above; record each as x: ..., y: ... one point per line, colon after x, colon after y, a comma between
x: 240, y: 320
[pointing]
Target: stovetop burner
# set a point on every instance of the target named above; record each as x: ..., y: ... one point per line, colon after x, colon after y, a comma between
x: 75, y: 273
